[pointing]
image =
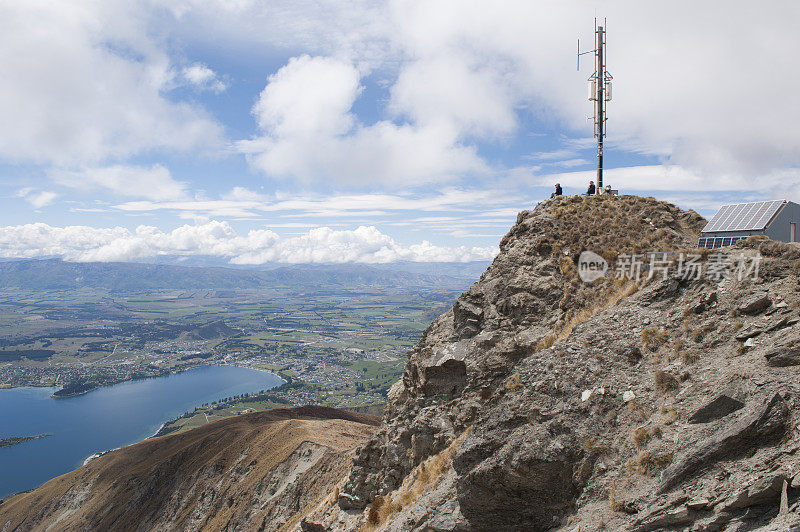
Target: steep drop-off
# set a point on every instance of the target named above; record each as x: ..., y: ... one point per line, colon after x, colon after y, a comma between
x: 257, y: 471
x: 538, y: 402
x: 542, y: 402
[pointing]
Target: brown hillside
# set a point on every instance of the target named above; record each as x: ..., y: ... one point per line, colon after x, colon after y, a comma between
x: 542, y: 402
x: 257, y: 471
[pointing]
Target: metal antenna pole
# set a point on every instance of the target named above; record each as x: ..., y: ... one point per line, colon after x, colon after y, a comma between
x: 600, y: 108
x: 600, y: 93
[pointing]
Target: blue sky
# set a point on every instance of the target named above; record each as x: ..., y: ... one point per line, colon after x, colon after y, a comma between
x: 315, y: 131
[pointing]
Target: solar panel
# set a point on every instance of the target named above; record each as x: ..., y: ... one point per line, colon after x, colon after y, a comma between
x: 744, y: 216
x: 745, y: 212
x: 771, y: 211
x: 722, y: 217
x: 733, y: 212
x: 717, y: 217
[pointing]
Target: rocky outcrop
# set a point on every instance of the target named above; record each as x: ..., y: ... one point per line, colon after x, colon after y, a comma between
x: 579, y: 406
x: 538, y: 402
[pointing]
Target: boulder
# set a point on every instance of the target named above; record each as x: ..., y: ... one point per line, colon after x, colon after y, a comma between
x: 755, y: 304
x: 446, y: 378
x: 520, y: 486
x: 786, y: 354
x: 467, y: 317
x: 705, y: 302
x: 762, y: 491
x: 719, y: 407
x: 763, y: 426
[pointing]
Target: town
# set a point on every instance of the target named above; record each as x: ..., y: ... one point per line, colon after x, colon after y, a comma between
x: 342, y: 348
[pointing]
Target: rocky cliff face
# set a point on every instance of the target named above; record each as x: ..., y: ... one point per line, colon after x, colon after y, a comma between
x: 538, y: 402
x: 542, y: 402
x: 258, y: 471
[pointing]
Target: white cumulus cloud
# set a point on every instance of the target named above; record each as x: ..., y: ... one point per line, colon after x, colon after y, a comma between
x: 202, y: 77
x: 215, y: 238
x: 38, y: 199
x: 84, y: 82
x: 151, y: 182
x: 310, y: 132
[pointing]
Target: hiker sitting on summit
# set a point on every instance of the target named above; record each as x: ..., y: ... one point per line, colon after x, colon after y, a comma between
x: 558, y: 191
x: 591, y: 190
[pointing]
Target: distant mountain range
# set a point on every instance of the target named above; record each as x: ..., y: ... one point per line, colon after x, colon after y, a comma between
x: 55, y: 274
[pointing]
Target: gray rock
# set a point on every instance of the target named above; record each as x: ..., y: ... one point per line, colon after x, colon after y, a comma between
x: 537, y: 456
x: 311, y: 526
x: 785, y: 354
x: 762, y: 426
x: 705, y: 302
x: 665, y: 517
x: 753, y: 331
x: 755, y: 304
x: 467, y: 316
x: 719, y: 407
x: 764, y: 490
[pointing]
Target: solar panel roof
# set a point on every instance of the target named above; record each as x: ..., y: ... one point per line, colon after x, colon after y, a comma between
x: 744, y: 216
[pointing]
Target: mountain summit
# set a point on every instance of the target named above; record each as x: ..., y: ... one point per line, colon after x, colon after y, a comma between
x: 659, y: 393
x: 657, y: 401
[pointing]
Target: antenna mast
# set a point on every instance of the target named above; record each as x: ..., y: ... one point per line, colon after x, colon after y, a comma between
x: 599, y: 93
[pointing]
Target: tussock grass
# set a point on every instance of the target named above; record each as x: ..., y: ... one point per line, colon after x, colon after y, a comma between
x: 640, y: 437
x: 613, y: 503
x: 622, y: 291
x: 700, y: 333
x: 665, y: 382
x: 648, y: 464
x: 423, y: 477
x: 670, y: 415
x: 653, y: 338
x: 596, y: 449
x: 513, y: 382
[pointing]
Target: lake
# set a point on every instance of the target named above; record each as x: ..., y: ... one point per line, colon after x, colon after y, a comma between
x: 103, y: 419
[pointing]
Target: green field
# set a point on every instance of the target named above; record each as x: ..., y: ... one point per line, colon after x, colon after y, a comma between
x: 344, y: 347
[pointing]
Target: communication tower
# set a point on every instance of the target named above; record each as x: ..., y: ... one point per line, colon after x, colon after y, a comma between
x: 599, y: 93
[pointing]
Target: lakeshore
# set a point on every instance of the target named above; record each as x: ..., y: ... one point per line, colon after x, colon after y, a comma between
x: 106, y: 418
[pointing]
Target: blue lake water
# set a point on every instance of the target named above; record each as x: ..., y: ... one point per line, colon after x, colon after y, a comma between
x: 104, y: 419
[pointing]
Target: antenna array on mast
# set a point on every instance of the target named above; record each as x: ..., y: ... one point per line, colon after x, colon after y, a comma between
x: 599, y: 93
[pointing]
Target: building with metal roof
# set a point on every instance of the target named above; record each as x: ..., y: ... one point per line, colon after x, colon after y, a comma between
x: 777, y: 219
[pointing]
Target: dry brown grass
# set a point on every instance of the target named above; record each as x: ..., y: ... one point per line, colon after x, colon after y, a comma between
x: 617, y: 293
x: 640, y: 437
x: 637, y: 225
x: 689, y: 357
x: 665, y: 382
x: 373, y: 514
x: 423, y: 477
x: 699, y: 334
x: 596, y: 449
x: 638, y: 410
x: 613, y: 503
x: 741, y: 348
x: 686, y: 356
x: 513, y: 382
x: 652, y: 339
x: 648, y: 464
x: 668, y: 415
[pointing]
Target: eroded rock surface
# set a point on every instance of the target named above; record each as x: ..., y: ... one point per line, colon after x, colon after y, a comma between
x: 570, y: 403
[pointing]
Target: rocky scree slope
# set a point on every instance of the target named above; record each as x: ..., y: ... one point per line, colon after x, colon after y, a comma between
x: 541, y: 402
x: 259, y: 471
